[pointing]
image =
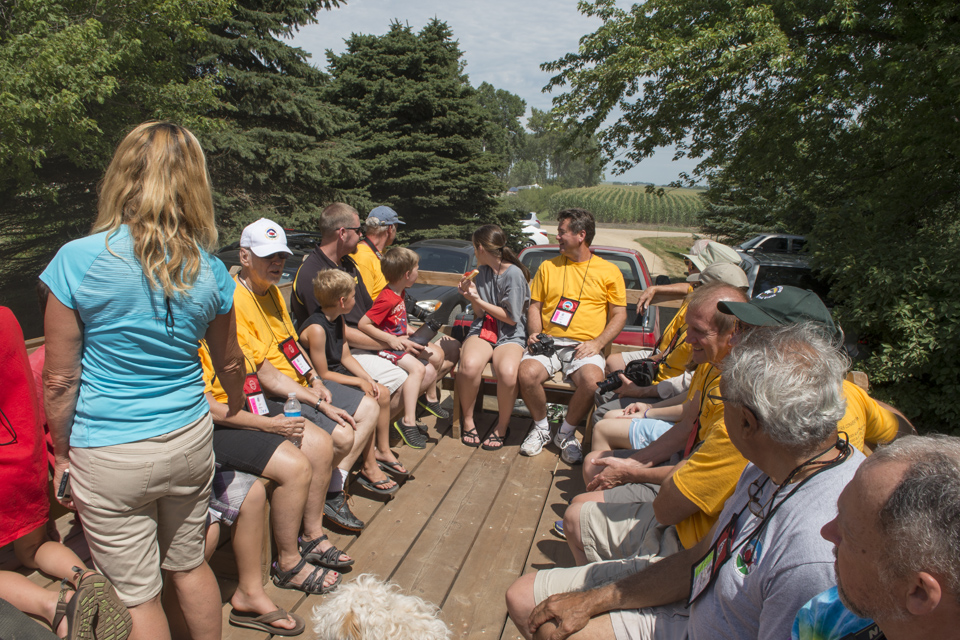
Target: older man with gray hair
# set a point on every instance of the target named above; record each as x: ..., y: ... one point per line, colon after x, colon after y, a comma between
x: 782, y: 397
x: 897, y: 544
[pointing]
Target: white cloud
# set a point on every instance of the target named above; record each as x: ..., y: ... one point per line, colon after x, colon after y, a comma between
x: 504, y: 42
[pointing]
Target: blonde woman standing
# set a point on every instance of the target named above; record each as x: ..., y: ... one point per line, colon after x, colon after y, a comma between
x: 500, y: 296
x: 123, y: 383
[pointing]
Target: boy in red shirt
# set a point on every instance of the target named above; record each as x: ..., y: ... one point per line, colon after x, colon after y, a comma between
x: 386, y: 321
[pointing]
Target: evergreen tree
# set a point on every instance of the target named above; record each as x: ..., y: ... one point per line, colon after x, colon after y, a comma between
x: 278, y: 154
x: 421, y: 132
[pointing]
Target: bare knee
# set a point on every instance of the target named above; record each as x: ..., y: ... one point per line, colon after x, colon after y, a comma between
x: 614, y: 362
x: 472, y: 366
x: 531, y: 373
x: 343, y: 439
x: 520, y: 600
x: 289, y: 466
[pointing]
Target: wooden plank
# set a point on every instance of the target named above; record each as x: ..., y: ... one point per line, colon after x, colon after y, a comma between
x: 433, y: 562
x: 475, y: 606
x: 423, y: 489
x: 548, y: 550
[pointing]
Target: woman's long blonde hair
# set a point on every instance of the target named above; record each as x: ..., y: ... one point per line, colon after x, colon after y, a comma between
x: 157, y: 184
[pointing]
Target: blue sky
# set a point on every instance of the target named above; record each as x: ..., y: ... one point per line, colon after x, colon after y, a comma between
x: 503, y: 42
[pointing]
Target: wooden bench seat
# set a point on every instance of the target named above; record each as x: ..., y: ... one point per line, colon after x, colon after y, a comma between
x: 557, y: 390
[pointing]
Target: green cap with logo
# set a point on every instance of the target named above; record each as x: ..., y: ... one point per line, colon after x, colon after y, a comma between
x: 781, y: 305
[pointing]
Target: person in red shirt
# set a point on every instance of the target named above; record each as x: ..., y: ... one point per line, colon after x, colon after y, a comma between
x: 386, y: 321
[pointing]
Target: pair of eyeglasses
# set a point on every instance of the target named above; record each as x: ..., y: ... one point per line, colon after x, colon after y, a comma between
x: 754, y: 493
x: 357, y: 229
x: 719, y: 399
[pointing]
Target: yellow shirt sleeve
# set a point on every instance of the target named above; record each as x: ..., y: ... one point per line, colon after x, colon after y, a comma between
x: 707, y: 479
x: 675, y: 363
x: 864, y: 419
x: 595, y: 283
x: 710, y: 476
x: 369, y: 265
x: 264, y: 323
x: 211, y: 384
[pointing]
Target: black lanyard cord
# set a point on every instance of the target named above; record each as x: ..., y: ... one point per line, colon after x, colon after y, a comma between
x: 256, y: 301
x: 563, y: 288
x: 842, y: 445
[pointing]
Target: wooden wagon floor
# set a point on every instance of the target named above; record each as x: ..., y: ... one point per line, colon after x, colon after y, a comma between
x: 458, y: 533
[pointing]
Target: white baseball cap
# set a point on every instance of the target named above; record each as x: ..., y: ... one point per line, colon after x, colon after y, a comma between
x: 264, y: 238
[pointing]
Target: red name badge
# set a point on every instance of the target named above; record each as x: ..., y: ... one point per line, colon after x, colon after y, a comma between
x: 291, y: 351
x: 256, y: 402
x: 563, y: 314
x: 704, y: 572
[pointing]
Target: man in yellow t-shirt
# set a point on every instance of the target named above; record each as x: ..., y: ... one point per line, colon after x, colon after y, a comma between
x: 264, y: 324
x: 579, y: 300
x: 380, y: 230
x: 867, y: 422
x: 673, y: 351
x: 690, y: 493
x: 707, y: 262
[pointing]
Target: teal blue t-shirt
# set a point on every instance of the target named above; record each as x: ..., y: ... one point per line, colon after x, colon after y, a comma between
x: 141, y: 373
x: 825, y: 617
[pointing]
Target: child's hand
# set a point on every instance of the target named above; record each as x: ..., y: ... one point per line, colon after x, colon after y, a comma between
x: 396, y: 343
x: 370, y: 388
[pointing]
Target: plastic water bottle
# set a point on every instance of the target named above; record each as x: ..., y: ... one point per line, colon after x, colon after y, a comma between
x: 291, y: 409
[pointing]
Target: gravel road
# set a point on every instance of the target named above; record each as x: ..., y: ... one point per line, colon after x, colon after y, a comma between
x: 624, y: 237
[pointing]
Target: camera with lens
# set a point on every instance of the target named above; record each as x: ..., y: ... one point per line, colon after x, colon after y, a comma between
x: 414, y: 309
x: 545, y: 346
x: 639, y: 372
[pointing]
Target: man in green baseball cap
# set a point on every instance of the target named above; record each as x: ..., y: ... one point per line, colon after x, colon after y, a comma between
x: 867, y: 422
x: 782, y: 305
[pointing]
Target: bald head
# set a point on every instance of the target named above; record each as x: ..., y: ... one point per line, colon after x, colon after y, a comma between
x: 708, y: 296
x: 897, y: 535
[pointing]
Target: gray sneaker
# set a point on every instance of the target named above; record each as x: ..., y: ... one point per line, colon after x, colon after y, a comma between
x: 570, y: 451
x: 533, y: 443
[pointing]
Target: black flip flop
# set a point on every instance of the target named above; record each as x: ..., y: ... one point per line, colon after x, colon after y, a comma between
x: 393, y: 468
x: 249, y: 620
x: 377, y: 487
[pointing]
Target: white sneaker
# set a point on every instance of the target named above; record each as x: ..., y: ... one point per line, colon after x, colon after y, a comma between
x: 533, y: 443
x: 570, y: 451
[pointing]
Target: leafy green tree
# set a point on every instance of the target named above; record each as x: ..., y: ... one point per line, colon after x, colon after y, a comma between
x: 75, y: 74
x: 421, y: 129
x: 504, y: 135
x: 279, y: 153
x: 563, y: 155
x: 836, y: 119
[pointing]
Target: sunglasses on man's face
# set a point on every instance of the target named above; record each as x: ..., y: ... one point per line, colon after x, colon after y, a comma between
x: 357, y: 229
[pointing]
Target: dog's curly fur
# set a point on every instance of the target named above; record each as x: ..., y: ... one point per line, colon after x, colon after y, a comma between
x: 368, y: 609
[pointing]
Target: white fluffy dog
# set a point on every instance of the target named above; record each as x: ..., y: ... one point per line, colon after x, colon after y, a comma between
x: 368, y: 609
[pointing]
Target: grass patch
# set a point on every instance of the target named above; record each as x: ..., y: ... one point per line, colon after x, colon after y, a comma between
x: 670, y: 251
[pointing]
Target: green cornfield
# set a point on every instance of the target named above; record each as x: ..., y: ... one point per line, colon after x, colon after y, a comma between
x: 629, y: 204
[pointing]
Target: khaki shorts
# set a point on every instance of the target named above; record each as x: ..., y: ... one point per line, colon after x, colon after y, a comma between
x: 562, y: 359
x: 612, y: 531
x: 667, y: 622
x: 389, y: 375
x: 144, y: 505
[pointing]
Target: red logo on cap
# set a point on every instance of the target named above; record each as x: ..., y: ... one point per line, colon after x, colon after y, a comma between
x: 271, y: 234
